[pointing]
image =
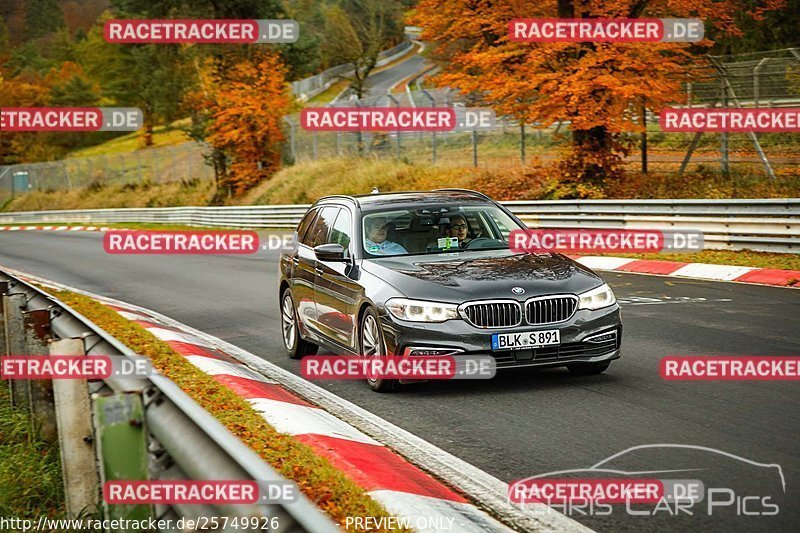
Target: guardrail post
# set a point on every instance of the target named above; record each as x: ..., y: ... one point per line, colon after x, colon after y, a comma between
x: 75, y: 437
x: 3, y: 291
x: 474, y: 148
x: 433, y: 133
x: 14, y: 322
x: 121, y: 447
x: 43, y: 409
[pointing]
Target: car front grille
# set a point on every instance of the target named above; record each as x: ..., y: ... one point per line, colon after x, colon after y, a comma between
x: 550, y: 310
x: 498, y: 314
x: 573, y: 351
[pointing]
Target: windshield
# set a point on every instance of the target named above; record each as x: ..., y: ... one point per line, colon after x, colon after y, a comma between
x: 436, y: 229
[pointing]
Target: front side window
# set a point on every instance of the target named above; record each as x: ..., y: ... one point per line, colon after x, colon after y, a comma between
x: 302, y: 229
x: 341, y: 231
x: 318, y: 234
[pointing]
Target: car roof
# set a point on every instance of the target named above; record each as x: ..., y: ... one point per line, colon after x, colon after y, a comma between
x: 410, y: 197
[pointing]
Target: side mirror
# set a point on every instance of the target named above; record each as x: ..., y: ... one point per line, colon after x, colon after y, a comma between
x: 329, y: 252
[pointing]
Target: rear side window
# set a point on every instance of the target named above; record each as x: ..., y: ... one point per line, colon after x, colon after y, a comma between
x: 302, y: 229
x: 318, y: 234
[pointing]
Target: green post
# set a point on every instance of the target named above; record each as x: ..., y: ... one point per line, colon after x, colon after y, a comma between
x: 122, y: 447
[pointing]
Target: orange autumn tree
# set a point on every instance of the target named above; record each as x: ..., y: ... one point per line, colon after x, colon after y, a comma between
x: 244, y: 104
x: 600, y: 89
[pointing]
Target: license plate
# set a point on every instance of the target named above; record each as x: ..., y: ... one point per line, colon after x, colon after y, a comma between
x: 526, y: 339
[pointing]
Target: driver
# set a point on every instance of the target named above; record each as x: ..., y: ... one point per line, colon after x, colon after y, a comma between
x: 375, y: 239
x: 458, y: 228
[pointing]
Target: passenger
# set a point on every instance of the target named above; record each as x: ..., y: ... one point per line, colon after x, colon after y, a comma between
x: 375, y: 239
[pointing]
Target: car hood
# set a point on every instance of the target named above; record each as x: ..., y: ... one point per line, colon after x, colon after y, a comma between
x: 462, y: 276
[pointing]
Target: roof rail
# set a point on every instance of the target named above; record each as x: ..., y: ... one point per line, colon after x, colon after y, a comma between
x: 464, y: 190
x: 334, y: 196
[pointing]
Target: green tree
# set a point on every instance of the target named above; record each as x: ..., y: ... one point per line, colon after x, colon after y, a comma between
x: 355, y: 33
x: 5, y: 46
x: 42, y: 18
x: 153, y: 78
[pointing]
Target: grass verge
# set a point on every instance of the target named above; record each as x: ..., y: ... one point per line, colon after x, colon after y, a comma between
x: 323, y: 484
x: 30, y: 469
x: 727, y: 257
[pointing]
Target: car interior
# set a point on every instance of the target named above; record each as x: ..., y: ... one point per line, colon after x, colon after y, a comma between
x: 419, y: 231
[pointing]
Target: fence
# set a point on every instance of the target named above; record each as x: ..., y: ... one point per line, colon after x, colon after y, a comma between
x: 764, y: 225
x: 126, y: 428
x: 153, y: 165
x: 764, y: 79
x: 761, y: 79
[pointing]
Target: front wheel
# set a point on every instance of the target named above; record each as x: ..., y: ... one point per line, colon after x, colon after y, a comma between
x: 295, y: 346
x: 372, y: 345
x: 588, y: 369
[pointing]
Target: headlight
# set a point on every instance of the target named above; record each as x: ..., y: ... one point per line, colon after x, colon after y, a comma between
x: 420, y: 310
x: 597, y: 298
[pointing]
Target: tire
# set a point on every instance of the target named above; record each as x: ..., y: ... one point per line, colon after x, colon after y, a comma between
x: 295, y: 346
x: 371, y: 344
x: 588, y: 369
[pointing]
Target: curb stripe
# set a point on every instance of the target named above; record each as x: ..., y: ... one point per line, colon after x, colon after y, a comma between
x: 604, y: 263
x: 704, y: 271
x: 251, y: 389
x: 376, y: 467
x: 188, y: 349
x: 771, y: 276
x: 651, y: 266
x: 174, y: 335
x: 215, y: 367
x: 301, y: 419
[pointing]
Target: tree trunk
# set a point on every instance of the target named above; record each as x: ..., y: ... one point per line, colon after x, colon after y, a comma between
x: 593, y: 140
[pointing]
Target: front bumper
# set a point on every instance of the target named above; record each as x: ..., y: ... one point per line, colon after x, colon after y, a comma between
x: 458, y: 335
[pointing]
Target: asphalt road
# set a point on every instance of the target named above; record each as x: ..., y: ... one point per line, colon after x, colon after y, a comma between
x: 526, y: 423
x: 380, y: 82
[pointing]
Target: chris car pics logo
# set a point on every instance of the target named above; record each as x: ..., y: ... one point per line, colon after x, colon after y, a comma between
x: 685, y: 480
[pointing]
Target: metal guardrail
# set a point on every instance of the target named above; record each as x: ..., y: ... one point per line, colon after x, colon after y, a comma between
x: 771, y: 225
x: 183, y: 441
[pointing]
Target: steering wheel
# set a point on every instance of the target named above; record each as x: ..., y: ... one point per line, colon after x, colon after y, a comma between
x: 471, y: 243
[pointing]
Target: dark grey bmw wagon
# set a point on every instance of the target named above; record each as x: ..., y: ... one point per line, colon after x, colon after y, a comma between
x: 432, y: 273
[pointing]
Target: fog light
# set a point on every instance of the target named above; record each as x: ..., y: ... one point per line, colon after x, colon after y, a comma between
x: 602, y: 337
x: 430, y: 352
